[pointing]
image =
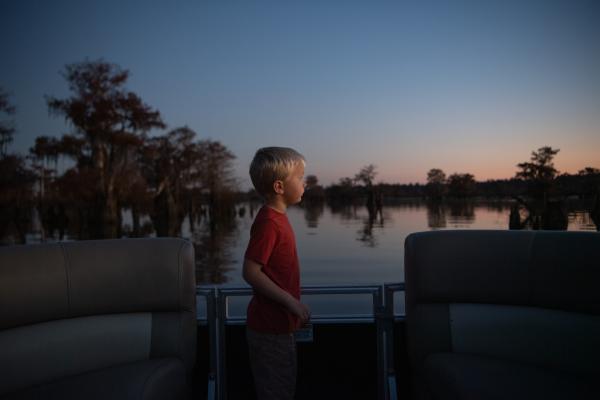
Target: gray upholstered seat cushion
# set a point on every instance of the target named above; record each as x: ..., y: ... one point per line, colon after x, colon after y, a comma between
x: 468, y: 377
x: 162, y: 378
x: 98, y: 319
x: 525, y: 300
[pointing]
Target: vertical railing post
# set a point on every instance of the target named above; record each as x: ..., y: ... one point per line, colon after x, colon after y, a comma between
x: 390, y: 374
x: 209, y: 294
x: 378, y: 308
x: 220, y: 345
x: 211, y: 322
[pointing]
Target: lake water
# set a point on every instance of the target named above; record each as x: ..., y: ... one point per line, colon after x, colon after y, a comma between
x: 336, y: 245
x: 344, y: 246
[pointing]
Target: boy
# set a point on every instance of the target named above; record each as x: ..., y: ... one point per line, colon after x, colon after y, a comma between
x: 271, y: 267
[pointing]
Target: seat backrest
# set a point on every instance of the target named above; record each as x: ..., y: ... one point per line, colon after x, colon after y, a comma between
x: 69, y: 308
x: 523, y: 296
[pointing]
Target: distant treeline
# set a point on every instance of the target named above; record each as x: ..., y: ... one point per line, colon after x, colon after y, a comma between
x: 539, y: 191
x: 535, y: 179
x: 112, y: 164
x: 582, y: 186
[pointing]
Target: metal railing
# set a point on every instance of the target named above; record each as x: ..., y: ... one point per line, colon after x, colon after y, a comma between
x: 210, y: 294
x: 389, y: 289
x: 382, y: 315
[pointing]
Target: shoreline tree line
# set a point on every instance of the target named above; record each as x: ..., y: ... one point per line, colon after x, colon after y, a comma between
x: 115, y: 165
x: 531, y: 180
x: 538, y: 191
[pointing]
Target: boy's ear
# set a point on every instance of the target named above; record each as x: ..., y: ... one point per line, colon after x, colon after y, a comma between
x: 278, y: 187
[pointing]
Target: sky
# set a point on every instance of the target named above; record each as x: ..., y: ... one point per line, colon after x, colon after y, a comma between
x: 465, y: 86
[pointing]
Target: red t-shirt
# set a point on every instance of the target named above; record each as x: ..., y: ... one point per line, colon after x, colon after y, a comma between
x: 273, y: 245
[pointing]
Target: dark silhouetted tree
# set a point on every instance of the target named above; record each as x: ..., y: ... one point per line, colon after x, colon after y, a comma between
x: 44, y: 158
x: 218, y: 184
x: 110, y: 123
x: 591, y: 186
x: 16, y: 183
x: 7, y: 129
x: 540, y: 175
x: 588, y: 171
x: 588, y: 180
x: 311, y: 181
x: 461, y: 185
x: 346, y: 182
x: 341, y: 193
x: 436, y: 183
x: 170, y: 163
x: 366, y: 175
x: 16, y: 198
x: 314, y: 192
x: 183, y: 172
x: 539, y: 172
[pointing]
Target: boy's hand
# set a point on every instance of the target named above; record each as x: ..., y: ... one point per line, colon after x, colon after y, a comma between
x: 301, y: 311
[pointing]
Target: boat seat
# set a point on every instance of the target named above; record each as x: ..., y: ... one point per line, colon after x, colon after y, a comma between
x: 102, y: 319
x: 503, y: 314
x: 161, y: 378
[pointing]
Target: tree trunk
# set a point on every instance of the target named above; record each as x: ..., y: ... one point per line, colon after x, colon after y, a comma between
x: 135, y: 216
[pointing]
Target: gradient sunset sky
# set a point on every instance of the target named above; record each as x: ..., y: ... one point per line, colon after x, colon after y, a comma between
x: 465, y: 86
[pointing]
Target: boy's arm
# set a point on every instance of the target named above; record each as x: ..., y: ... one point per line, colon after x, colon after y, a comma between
x: 260, y: 282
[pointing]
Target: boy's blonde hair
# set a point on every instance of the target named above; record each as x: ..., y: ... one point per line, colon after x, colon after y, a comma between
x: 271, y: 164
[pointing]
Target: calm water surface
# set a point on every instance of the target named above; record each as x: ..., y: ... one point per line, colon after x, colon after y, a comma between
x: 344, y: 246
x: 338, y: 246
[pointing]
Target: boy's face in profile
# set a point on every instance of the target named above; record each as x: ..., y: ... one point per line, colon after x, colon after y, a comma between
x: 293, y: 186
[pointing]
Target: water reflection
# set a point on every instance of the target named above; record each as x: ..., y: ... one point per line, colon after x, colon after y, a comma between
x: 344, y: 244
x: 213, y: 245
x: 312, y: 212
x: 595, y: 212
x: 366, y: 234
x: 462, y: 213
x: 436, y: 215
x: 370, y: 220
x: 536, y: 215
x: 455, y: 214
x: 336, y: 242
x: 375, y: 211
x: 584, y: 220
x: 347, y: 212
